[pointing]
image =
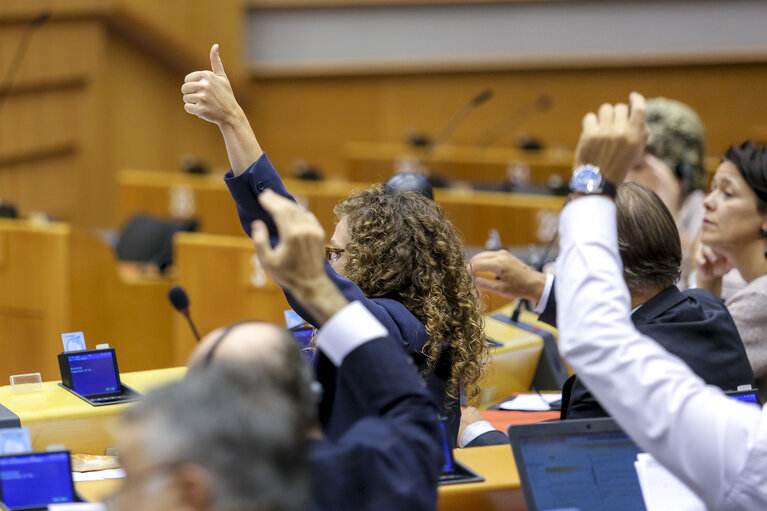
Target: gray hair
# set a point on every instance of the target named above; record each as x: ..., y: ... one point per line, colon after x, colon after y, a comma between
x: 237, y: 425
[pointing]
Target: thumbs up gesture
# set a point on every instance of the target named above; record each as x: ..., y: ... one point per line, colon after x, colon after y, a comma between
x: 208, y: 94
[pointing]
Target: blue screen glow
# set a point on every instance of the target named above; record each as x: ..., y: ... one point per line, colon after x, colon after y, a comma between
x: 93, y: 373
x: 36, y: 480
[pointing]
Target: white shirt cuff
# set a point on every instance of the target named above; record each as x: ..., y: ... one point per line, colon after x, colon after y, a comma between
x: 474, y: 430
x: 350, y: 328
x: 544, y: 299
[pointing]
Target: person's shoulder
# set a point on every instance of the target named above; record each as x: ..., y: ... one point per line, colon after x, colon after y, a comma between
x: 755, y: 292
x: 705, y: 297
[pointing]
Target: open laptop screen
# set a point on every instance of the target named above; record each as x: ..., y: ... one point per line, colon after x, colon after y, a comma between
x: 577, y: 467
x: 94, y: 373
x: 34, y: 480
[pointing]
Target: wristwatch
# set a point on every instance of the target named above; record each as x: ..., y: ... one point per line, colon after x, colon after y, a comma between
x: 587, y: 179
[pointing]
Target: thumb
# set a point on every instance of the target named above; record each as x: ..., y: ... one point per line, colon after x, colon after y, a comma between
x: 215, y: 61
x: 260, y: 235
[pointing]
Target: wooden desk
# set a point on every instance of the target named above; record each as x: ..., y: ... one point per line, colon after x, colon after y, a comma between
x: 225, y: 283
x: 35, y: 297
x: 520, y: 219
x: 377, y: 161
x: 499, y: 491
x: 56, y: 416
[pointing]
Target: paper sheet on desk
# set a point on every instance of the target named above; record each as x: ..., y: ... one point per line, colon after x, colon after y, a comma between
x: 77, y: 506
x: 661, y: 490
x: 98, y: 475
x: 530, y: 402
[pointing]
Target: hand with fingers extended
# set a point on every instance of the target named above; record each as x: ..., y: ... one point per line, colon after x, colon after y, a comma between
x: 297, y: 262
x: 497, y: 271
x: 208, y: 94
x: 614, y: 138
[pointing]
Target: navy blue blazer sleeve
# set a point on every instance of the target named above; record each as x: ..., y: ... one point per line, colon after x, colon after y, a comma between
x: 494, y: 437
x: 402, y: 325
x: 391, y: 458
x: 549, y: 314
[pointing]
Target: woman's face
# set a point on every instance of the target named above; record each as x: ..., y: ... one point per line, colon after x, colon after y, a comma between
x: 732, y: 220
x: 338, y: 241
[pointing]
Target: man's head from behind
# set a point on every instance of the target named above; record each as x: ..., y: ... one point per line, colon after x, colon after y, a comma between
x: 648, y: 240
x: 265, y: 348
x: 225, y: 438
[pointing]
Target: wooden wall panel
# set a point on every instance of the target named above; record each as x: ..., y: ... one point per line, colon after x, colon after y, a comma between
x: 132, y: 314
x: 35, y: 302
x: 224, y: 285
x: 311, y: 118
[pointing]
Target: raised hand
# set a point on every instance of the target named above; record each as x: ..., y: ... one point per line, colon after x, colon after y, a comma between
x: 506, y: 275
x: 297, y: 262
x: 208, y: 94
x: 614, y: 138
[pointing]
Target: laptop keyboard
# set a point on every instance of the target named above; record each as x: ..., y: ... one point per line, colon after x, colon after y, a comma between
x: 106, y: 399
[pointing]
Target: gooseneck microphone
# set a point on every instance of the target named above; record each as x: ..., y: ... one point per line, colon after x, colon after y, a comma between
x: 6, y: 86
x: 454, y: 122
x: 523, y: 114
x: 180, y: 301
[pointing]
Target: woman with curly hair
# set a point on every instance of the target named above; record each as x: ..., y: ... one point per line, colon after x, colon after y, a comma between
x: 394, y: 252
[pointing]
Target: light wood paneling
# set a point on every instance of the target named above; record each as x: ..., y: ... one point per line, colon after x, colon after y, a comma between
x: 520, y: 219
x: 224, y: 284
x: 35, y: 302
x: 131, y: 313
x: 312, y: 118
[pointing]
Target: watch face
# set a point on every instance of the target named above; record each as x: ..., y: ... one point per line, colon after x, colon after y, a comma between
x: 586, y: 179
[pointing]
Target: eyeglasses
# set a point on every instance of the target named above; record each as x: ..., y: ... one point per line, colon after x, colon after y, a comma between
x: 333, y: 253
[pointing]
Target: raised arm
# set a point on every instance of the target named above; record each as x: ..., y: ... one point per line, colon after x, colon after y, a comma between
x: 209, y: 96
x: 699, y: 434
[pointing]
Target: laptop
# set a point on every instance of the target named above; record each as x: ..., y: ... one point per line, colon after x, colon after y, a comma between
x: 585, y: 464
x: 453, y: 471
x: 747, y: 396
x: 31, y: 481
x: 93, y: 376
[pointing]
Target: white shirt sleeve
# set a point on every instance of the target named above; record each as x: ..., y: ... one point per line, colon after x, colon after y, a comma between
x: 544, y: 299
x: 699, y: 434
x: 350, y: 328
x: 474, y: 430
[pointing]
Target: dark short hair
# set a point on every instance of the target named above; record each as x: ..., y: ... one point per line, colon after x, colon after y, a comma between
x: 751, y: 161
x: 236, y: 424
x: 648, y: 239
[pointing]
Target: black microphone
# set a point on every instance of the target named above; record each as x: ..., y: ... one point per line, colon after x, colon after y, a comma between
x: 7, y: 84
x: 522, y: 114
x: 454, y: 122
x: 180, y: 301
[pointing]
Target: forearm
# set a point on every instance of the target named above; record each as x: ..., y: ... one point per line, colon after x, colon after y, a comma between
x: 241, y: 144
x: 653, y: 395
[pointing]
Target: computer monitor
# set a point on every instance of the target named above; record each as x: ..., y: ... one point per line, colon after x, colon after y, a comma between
x: 33, y: 480
x: 577, y: 464
x: 93, y: 375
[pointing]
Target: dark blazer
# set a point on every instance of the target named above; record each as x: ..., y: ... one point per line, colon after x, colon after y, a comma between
x: 489, y: 438
x: 340, y: 407
x: 391, y: 458
x: 693, y: 325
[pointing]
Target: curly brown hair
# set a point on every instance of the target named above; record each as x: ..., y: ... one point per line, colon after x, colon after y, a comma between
x: 401, y: 246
